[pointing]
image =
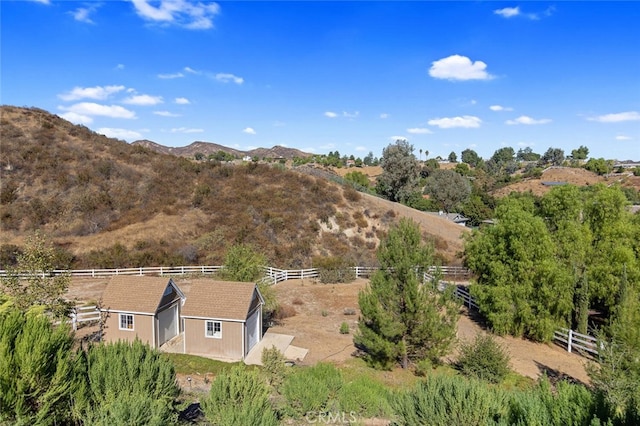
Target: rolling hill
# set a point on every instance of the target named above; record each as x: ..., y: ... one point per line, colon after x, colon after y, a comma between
x: 107, y: 203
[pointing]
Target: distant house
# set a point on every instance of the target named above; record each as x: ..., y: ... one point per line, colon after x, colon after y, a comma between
x: 216, y: 319
x: 143, y: 307
x: 222, y: 318
x: 455, y: 217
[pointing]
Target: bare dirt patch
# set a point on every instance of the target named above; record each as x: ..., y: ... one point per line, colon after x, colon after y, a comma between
x: 320, y: 334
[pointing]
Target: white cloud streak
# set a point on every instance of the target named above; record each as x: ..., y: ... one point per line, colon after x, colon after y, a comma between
x: 82, y: 14
x: 330, y: 114
x: 166, y: 114
x: 186, y: 130
x: 617, y: 117
x: 523, y: 119
x: 500, y: 108
x: 170, y: 76
x: 97, y: 92
x: 460, y: 68
x: 189, y: 15
x: 229, y: 78
x: 466, y: 121
x: 92, y: 109
x: 508, y: 12
x: 249, y: 131
x: 182, y: 101
x: 143, y: 100
x: 384, y: 116
x: 623, y: 138
x: 419, y: 131
x: 76, y: 118
x: 124, y: 134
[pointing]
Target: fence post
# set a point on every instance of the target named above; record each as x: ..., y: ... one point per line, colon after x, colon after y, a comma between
x: 569, y: 340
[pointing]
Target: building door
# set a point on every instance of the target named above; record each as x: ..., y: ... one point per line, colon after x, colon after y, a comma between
x: 167, y: 324
x: 253, y: 330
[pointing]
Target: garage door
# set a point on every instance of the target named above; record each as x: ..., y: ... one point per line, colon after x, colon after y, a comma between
x: 167, y: 324
x: 253, y: 330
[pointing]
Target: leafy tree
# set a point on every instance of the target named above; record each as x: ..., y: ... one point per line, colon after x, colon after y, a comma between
x: 503, y: 156
x: 580, y: 153
x: 243, y: 263
x: 239, y: 397
x: 127, y: 383
x: 368, y: 159
x: 599, y: 166
x: 358, y: 178
x: 32, y: 282
x: 470, y: 157
x: 402, y: 319
x: 527, y: 154
x: 448, y: 188
x: 428, y: 167
x: 400, y: 173
x: 37, y: 376
x: 521, y: 289
x: 453, y: 158
x: 553, y: 156
x: 463, y: 169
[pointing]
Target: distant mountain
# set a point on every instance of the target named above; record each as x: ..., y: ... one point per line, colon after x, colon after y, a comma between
x: 208, y: 148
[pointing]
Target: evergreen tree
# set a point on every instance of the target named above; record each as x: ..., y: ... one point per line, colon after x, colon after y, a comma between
x: 37, y: 376
x: 403, y: 319
x: 127, y: 383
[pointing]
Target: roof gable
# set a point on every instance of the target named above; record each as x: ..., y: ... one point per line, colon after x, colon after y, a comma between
x: 136, y: 294
x: 220, y: 299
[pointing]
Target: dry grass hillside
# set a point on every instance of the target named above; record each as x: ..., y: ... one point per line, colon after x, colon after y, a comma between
x: 111, y: 204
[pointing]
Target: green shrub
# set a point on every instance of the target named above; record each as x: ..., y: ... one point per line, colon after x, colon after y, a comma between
x: 366, y: 397
x: 424, y: 367
x: 443, y: 400
x: 237, y: 398
x: 243, y: 263
x: 484, y: 359
x: 334, y: 269
x: 312, y: 389
x: 273, y: 362
x: 344, y: 328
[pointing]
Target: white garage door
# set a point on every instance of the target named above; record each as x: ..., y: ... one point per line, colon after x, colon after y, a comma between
x: 167, y: 324
x: 253, y: 330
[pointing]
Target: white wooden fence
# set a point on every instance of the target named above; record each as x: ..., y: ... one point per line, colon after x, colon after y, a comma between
x: 82, y: 314
x: 573, y: 340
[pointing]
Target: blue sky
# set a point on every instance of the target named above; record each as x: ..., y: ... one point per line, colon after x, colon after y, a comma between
x: 327, y: 76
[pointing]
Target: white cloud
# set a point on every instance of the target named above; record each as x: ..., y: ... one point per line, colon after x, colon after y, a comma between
x: 81, y: 14
x: 186, y: 130
x: 508, y: 12
x: 466, y: 121
x: 120, y: 66
x: 457, y: 67
x: 419, y: 131
x: 195, y: 16
x: 170, y: 76
x: 228, y: 78
x: 143, y: 100
x: 166, y: 114
x: 354, y: 114
x: 361, y: 148
x: 523, y: 119
x: 249, y: 131
x: 384, y: 115
x: 77, y: 118
x: 398, y: 138
x: 97, y: 92
x: 91, y: 109
x: 330, y: 114
x: 500, y: 108
x: 120, y: 133
x: 617, y: 117
x: 623, y: 138
x: 182, y: 101
x: 191, y: 70
x: 42, y: 1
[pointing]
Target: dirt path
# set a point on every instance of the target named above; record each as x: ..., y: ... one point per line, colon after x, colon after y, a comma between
x: 320, y: 334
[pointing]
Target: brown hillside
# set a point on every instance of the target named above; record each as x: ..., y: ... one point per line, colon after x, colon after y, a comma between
x: 112, y: 204
x: 208, y: 148
x: 571, y: 175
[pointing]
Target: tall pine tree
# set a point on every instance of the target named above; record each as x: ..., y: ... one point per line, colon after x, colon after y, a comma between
x: 403, y: 319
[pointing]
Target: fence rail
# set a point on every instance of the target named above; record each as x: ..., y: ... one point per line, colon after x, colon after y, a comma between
x: 573, y: 340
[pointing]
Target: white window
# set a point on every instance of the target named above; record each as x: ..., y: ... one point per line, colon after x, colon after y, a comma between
x: 126, y: 322
x: 213, y: 329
